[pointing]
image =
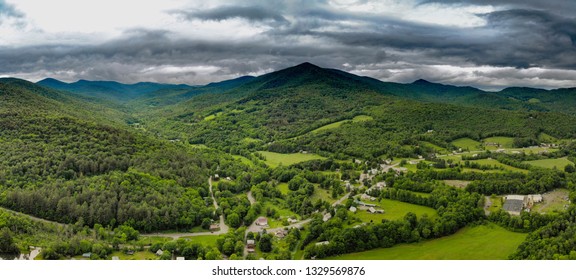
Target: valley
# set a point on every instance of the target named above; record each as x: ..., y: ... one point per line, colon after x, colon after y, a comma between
x: 301, y: 163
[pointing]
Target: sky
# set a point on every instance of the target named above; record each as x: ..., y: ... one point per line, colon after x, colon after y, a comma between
x: 489, y: 44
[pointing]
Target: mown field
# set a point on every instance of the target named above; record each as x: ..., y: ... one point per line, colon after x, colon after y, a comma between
x: 394, y: 210
x: 483, y: 242
x: 275, y: 159
x: 558, y: 163
x: 467, y: 144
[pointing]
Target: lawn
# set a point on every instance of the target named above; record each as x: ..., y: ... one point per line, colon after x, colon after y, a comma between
x: 483, y: 242
x: 467, y: 144
x: 275, y: 159
x: 559, y: 163
x: 361, y: 118
x: 496, y: 204
x: 209, y: 240
x: 505, y: 142
x: 394, y: 210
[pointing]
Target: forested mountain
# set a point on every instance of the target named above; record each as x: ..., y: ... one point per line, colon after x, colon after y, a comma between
x: 282, y: 107
x: 60, y: 162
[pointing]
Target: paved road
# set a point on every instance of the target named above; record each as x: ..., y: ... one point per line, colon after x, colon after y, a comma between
x: 33, y: 217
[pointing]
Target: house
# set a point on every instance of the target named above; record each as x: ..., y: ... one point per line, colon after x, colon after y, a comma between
x: 326, y: 217
x: 180, y: 258
x: 262, y: 221
x: 365, y: 197
x: 159, y: 252
x: 352, y: 209
x: 322, y: 243
x: 130, y: 252
x: 379, y: 211
x: 87, y: 255
x: 228, y: 178
x: 115, y: 258
x: 216, y: 177
x: 371, y: 210
x: 281, y: 233
x: 290, y: 220
x: 214, y: 227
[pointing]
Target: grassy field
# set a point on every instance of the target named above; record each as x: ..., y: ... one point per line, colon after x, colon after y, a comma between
x: 323, y: 194
x: 505, y: 142
x: 211, y: 117
x: 394, y: 210
x: 275, y: 159
x: 143, y: 255
x: 209, y: 240
x: 559, y: 163
x: 496, y: 204
x: 484, y: 242
x: 361, y: 118
x: 493, y: 162
x: 467, y: 144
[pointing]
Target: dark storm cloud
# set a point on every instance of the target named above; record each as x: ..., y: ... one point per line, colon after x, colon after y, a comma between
x: 566, y: 7
x: 229, y: 12
x: 518, y: 34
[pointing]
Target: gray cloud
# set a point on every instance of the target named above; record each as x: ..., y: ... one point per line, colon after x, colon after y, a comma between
x: 521, y: 36
x: 255, y: 14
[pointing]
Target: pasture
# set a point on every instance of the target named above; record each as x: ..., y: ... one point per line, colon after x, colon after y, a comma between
x: 483, y: 242
x: 504, y: 142
x: 558, y: 163
x: 467, y: 144
x: 275, y: 159
x: 394, y: 210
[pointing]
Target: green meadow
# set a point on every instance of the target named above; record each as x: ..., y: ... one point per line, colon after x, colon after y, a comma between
x: 467, y: 144
x: 559, y: 163
x: 275, y: 159
x: 394, y: 210
x: 483, y: 242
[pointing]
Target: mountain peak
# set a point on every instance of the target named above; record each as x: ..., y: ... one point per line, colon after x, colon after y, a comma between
x: 307, y: 65
x: 421, y: 82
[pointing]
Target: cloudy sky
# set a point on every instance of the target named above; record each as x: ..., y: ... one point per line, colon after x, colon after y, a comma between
x: 489, y: 44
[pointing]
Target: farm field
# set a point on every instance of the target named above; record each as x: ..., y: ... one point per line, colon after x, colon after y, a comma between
x: 142, y: 255
x: 467, y: 144
x: 505, y: 142
x: 483, y: 242
x: 323, y: 194
x: 394, y: 210
x: 275, y: 159
x: 361, y: 118
x: 559, y: 163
